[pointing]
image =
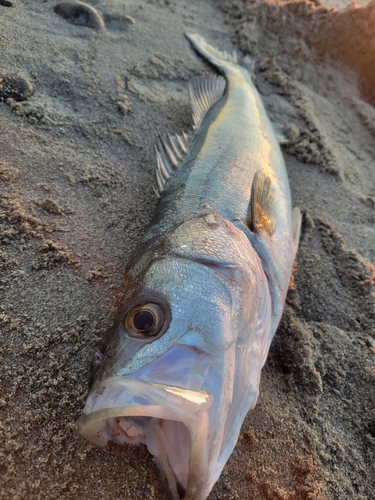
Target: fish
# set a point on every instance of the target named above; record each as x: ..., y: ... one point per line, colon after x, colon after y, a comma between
x: 204, y: 290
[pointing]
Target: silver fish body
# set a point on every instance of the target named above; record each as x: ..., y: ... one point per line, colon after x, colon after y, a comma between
x: 203, y: 293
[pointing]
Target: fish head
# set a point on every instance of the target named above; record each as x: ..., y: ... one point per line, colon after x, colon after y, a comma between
x: 180, y: 368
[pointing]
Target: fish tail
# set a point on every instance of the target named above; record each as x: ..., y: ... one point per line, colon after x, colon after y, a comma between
x: 223, y: 60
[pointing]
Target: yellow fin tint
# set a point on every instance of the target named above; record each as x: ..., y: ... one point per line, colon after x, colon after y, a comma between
x: 262, y: 208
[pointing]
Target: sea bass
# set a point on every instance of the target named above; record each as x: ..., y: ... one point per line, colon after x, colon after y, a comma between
x: 203, y: 292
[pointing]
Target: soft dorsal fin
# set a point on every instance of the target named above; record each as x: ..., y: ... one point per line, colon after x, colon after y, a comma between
x: 262, y: 209
x: 204, y: 92
x: 170, y: 150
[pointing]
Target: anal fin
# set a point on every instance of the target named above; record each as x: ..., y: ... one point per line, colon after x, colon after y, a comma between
x: 262, y: 209
x: 280, y: 135
x: 296, y: 226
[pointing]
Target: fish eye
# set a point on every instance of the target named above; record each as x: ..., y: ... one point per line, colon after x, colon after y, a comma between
x: 145, y: 320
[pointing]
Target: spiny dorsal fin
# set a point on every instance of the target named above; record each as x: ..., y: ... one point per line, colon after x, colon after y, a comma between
x: 170, y: 150
x: 262, y: 209
x: 204, y: 92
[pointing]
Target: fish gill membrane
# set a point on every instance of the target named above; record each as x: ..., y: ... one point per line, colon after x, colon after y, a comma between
x: 181, y: 366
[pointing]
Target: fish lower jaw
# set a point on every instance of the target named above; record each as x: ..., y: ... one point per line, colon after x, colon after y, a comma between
x: 169, y: 442
x: 171, y: 421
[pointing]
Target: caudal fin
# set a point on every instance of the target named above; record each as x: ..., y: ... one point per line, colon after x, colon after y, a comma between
x: 221, y: 59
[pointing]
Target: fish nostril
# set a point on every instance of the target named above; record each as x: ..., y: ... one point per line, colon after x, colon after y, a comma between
x: 180, y: 490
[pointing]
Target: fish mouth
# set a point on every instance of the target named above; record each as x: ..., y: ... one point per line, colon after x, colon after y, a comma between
x: 171, y: 421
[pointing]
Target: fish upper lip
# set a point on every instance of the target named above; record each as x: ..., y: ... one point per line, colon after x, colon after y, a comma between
x: 162, y: 394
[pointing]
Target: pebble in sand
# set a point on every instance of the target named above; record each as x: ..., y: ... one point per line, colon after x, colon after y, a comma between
x: 15, y: 87
x: 81, y: 14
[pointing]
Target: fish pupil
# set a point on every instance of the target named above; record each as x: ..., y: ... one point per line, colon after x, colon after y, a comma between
x: 143, y: 320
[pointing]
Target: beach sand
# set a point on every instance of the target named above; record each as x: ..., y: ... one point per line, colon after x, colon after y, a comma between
x: 76, y: 194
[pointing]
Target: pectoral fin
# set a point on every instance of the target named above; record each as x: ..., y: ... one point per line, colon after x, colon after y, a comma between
x: 262, y: 209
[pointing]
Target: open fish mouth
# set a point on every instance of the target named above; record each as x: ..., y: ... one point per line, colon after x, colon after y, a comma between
x: 190, y: 427
x: 171, y: 421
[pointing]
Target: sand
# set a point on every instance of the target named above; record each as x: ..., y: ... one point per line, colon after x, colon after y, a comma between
x: 76, y: 177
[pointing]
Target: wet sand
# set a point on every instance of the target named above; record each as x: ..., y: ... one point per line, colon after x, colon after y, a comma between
x: 76, y: 177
